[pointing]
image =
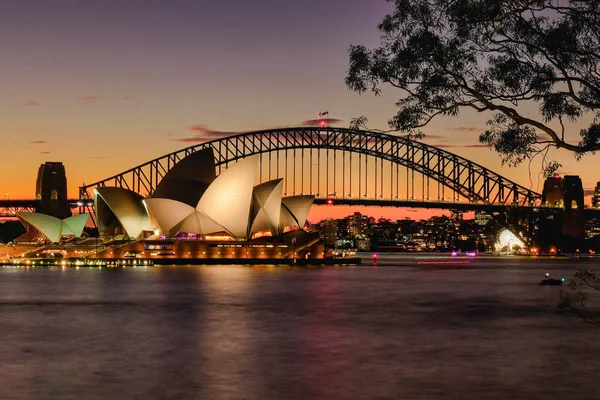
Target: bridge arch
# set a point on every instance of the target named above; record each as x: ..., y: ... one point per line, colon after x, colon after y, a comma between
x: 466, y: 178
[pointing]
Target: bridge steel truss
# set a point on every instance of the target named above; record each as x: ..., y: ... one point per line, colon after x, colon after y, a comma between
x: 10, y: 208
x: 466, y: 178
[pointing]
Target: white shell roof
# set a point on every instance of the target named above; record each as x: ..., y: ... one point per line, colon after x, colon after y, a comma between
x: 74, y: 225
x: 234, y: 205
x: 266, y: 207
x: 54, y: 228
x: 173, y: 217
x: 128, y: 208
x: 187, y: 180
x: 168, y: 214
x: 227, y: 200
x: 294, y: 211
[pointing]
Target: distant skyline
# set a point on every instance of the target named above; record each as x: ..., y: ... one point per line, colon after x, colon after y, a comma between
x: 104, y: 86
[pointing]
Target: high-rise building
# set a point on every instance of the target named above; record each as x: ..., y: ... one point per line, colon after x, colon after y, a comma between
x: 596, y: 197
x: 329, y: 230
x: 358, y: 224
x: 51, y: 190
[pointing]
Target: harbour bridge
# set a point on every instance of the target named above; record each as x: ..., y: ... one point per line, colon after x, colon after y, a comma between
x: 339, y: 166
x: 348, y: 166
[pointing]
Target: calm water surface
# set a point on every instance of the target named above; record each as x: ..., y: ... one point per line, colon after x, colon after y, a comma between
x: 410, y: 328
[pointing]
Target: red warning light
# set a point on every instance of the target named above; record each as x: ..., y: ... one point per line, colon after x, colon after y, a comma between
x: 329, y: 201
x: 322, y: 123
x: 375, y: 256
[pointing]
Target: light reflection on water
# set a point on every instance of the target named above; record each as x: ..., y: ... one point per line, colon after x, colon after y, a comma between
x: 396, y: 330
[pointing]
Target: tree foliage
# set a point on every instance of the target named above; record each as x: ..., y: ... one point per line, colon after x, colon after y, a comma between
x: 505, y: 57
x: 577, y: 297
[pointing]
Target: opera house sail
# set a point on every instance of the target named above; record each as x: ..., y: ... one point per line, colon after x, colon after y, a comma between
x: 120, y: 213
x: 294, y: 211
x: 50, y: 228
x: 227, y: 200
x: 231, y: 204
x: 187, y: 180
x: 266, y: 207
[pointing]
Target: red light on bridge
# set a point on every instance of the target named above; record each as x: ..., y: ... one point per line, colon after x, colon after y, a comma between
x: 329, y: 201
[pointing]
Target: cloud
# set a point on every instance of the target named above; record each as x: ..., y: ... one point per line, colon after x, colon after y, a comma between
x: 38, y: 142
x: 464, y: 146
x: 98, y: 157
x: 465, y: 129
x: 44, y: 152
x: 317, y: 122
x: 588, y: 192
x: 89, y: 99
x: 127, y: 98
x: 30, y: 103
x: 204, y: 133
x: 437, y: 137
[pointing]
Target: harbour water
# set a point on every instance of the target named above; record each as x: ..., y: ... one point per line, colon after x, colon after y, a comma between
x: 411, y: 327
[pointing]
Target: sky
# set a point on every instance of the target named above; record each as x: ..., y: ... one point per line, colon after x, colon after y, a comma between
x: 105, y: 85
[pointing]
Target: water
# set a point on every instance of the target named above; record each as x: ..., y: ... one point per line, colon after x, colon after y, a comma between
x: 404, y: 329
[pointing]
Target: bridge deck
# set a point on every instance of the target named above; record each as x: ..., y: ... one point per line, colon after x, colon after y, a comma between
x: 8, y: 208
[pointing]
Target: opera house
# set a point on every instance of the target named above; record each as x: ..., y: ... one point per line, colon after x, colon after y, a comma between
x: 192, y: 214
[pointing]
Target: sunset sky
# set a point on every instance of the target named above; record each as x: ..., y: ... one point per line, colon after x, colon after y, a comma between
x: 106, y: 85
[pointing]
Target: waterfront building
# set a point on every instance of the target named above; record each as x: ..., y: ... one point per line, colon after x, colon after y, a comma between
x: 482, y: 218
x: 329, y: 229
x: 596, y: 196
x: 358, y: 224
x: 198, y: 215
x: 363, y: 243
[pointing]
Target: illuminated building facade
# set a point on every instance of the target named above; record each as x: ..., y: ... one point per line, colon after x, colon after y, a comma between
x: 596, y: 196
x: 194, y: 214
x: 225, y: 216
x: 329, y: 231
x: 358, y: 224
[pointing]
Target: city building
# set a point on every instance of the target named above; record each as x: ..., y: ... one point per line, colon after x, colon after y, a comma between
x: 596, y: 196
x: 358, y: 224
x: 329, y: 230
x: 482, y: 218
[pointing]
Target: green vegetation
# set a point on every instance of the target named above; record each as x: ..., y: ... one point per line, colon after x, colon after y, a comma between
x: 576, y: 298
x: 502, y: 57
